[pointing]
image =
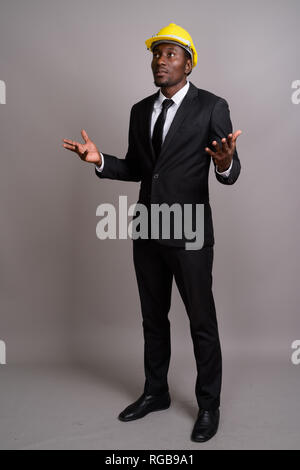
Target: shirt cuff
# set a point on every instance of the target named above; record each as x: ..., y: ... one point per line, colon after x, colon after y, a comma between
x: 225, y: 173
x: 102, y: 164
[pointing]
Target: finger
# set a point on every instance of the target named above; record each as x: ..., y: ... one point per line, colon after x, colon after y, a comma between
x: 225, y: 147
x: 229, y: 140
x: 216, y: 146
x: 236, y: 135
x: 211, y: 153
x: 71, y: 142
x: 84, y: 135
x: 70, y: 147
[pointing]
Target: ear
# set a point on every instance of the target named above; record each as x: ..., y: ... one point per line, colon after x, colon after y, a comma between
x: 188, y: 66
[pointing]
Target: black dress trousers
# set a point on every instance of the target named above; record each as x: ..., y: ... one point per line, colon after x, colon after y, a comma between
x: 155, y: 265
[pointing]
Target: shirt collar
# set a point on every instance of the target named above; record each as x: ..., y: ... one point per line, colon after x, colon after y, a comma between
x: 177, y: 98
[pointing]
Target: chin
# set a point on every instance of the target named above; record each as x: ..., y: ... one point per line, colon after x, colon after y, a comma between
x: 161, y: 84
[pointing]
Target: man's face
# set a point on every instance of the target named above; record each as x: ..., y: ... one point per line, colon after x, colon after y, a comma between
x: 169, y: 65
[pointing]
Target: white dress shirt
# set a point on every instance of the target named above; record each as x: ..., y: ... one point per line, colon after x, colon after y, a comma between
x: 177, y: 98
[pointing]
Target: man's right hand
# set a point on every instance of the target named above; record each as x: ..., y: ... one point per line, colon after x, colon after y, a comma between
x: 88, y: 151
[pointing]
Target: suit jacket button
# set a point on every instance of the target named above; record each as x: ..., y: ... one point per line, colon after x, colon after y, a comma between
x: 155, y: 176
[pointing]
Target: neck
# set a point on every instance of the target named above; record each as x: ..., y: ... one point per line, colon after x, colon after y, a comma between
x: 168, y: 92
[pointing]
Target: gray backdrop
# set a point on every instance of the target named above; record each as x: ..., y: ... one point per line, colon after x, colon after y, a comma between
x: 66, y: 295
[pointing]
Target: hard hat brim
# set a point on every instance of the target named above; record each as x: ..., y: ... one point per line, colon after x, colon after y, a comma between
x: 186, y: 48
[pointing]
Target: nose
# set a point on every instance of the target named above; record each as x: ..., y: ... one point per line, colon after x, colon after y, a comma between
x: 160, y: 60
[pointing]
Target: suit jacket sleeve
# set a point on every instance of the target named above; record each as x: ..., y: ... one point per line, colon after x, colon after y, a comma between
x: 126, y: 169
x: 220, y: 127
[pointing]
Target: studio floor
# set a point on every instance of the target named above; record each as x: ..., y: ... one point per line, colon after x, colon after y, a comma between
x: 76, y: 407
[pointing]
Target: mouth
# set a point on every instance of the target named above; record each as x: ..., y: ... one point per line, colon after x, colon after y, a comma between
x: 160, y: 73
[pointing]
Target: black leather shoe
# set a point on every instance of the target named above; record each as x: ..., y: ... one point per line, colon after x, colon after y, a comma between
x: 206, y: 425
x: 144, y: 405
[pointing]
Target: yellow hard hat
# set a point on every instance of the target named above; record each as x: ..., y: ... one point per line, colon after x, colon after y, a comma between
x: 174, y: 34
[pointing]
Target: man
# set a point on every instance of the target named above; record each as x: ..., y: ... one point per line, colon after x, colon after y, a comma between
x: 170, y: 134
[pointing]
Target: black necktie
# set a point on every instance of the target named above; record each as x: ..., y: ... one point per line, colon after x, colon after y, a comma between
x: 159, y: 125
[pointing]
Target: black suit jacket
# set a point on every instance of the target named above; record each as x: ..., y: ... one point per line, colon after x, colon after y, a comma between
x: 180, y: 174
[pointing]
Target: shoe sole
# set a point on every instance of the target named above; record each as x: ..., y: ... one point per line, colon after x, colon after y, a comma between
x: 205, y: 439
x: 145, y: 414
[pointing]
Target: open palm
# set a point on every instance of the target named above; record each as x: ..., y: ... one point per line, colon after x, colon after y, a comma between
x: 223, y: 155
x: 88, y: 151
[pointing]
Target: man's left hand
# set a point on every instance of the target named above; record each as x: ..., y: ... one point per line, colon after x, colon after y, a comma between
x: 222, y: 156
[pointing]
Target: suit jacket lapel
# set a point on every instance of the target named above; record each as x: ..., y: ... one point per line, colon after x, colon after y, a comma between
x: 180, y: 115
x: 147, y: 124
